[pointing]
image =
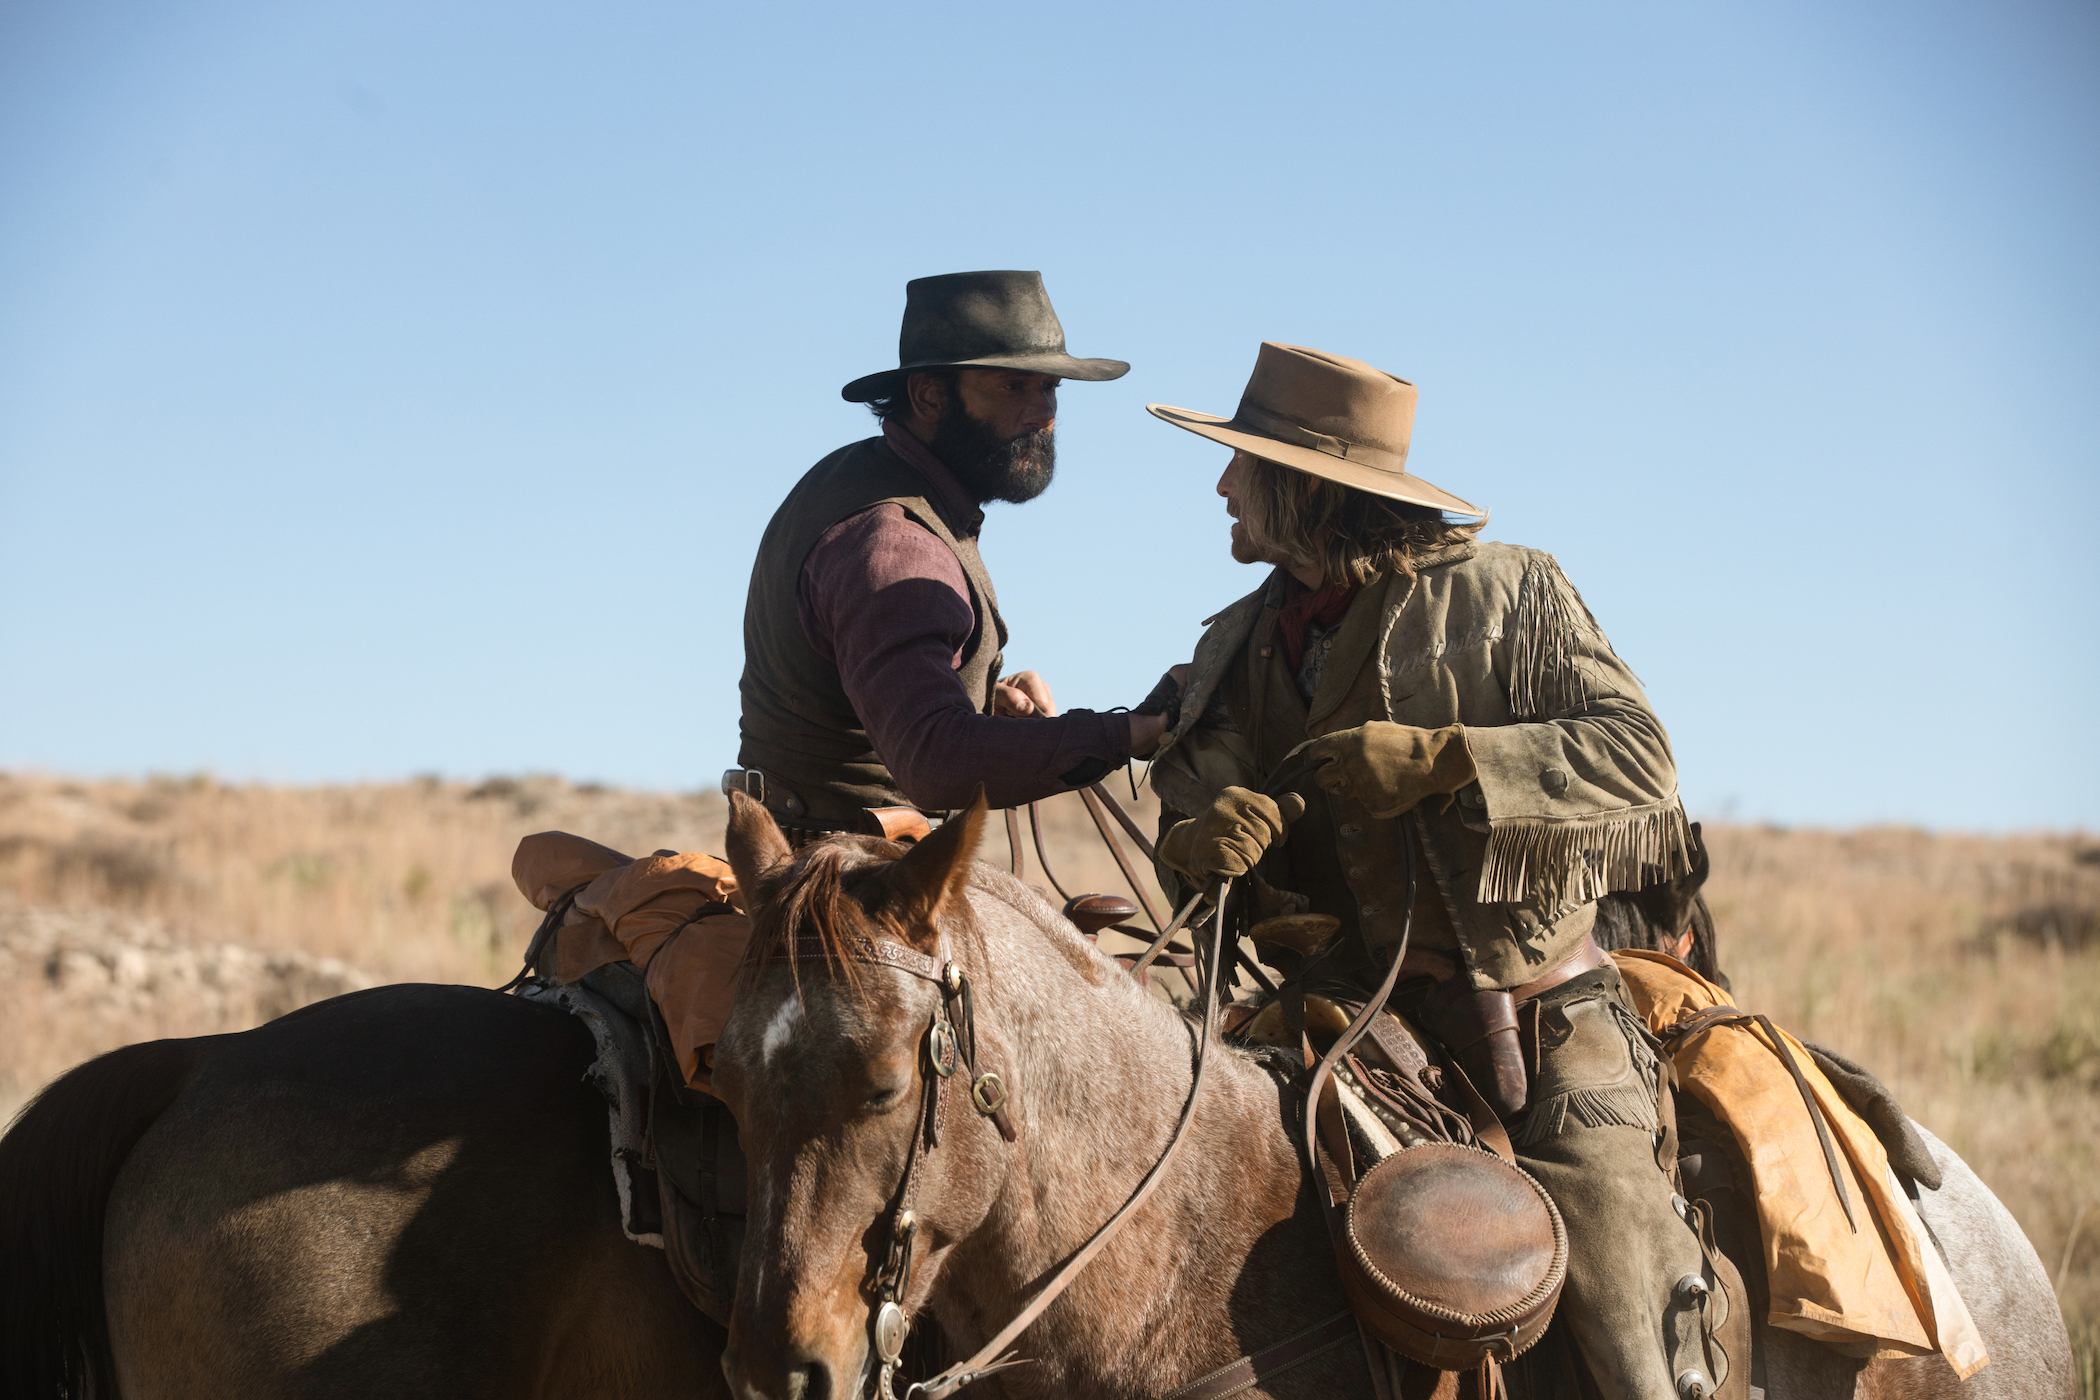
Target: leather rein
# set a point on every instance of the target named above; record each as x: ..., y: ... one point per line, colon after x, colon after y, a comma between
x: 951, y: 1045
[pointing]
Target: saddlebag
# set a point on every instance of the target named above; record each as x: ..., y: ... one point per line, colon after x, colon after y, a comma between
x: 1452, y: 1256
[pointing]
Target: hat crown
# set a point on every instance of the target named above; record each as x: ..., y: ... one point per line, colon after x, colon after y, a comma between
x: 972, y: 315
x: 982, y: 320
x: 1330, y: 396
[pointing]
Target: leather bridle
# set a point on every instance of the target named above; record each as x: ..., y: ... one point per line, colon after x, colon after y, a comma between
x: 951, y: 1045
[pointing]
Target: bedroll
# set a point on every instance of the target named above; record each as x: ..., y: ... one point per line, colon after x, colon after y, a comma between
x: 675, y: 916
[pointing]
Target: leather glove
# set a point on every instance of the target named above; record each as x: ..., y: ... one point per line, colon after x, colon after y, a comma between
x: 1229, y: 838
x: 1391, y: 767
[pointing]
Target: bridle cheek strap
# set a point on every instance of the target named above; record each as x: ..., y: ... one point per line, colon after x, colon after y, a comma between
x: 950, y: 1045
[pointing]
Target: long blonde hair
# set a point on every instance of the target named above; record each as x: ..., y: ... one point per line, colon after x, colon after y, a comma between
x: 1351, y: 536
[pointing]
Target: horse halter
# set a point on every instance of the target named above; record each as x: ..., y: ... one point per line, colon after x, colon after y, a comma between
x: 951, y: 1044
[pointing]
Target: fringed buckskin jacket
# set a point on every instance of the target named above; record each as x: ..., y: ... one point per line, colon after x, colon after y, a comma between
x: 1576, y: 793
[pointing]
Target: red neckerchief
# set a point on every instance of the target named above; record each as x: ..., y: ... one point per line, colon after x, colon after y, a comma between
x: 1304, y: 606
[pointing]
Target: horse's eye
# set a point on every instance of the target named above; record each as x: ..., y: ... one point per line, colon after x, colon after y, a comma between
x: 882, y: 1098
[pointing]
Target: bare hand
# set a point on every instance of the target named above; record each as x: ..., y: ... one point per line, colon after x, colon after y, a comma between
x: 1023, y: 695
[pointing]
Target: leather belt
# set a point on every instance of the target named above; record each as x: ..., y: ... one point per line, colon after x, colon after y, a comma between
x: 1587, y: 957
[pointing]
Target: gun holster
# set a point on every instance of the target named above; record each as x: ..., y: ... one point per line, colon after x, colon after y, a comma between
x: 1479, y: 1028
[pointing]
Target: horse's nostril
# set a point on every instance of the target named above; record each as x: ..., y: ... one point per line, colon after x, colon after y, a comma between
x: 810, y: 1381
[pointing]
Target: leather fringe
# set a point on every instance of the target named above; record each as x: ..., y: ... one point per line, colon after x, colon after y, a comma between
x: 1628, y: 1105
x: 1551, y: 624
x: 1554, y: 864
x: 1616, y: 1107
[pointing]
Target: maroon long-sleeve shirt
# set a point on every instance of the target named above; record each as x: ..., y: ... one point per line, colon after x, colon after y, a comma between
x: 886, y: 601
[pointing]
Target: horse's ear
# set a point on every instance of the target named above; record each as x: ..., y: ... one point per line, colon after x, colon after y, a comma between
x: 933, y: 872
x: 757, y: 850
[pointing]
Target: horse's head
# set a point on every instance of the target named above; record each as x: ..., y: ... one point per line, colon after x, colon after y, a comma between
x: 825, y: 1062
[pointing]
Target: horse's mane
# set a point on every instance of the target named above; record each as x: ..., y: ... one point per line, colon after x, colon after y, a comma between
x: 831, y: 896
x: 814, y: 901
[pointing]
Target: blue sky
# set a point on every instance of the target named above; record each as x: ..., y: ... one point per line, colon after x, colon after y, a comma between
x: 390, y: 388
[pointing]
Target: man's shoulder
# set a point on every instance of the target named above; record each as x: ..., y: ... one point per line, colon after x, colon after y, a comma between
x: 855, y: 463
x: 1493, y: 559
x: 1491, y: 569
x: 882, y: 544
x: 843, y: 483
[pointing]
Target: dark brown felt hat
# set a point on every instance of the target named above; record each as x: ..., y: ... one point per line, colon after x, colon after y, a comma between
x: 983, y: 320
x: 1329, y: 415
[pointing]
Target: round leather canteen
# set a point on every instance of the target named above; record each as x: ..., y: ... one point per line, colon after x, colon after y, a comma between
x: 1452, y: 1256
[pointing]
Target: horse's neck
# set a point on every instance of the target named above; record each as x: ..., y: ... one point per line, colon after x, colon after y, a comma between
x: 1100, y: 1073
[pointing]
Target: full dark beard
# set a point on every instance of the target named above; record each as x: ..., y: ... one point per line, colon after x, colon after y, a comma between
x: 990, y: 467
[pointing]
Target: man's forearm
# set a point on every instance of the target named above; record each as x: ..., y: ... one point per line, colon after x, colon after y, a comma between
x: 939, y: 757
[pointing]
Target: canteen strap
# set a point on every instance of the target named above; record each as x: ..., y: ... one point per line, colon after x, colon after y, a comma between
x: 1250, y: 1371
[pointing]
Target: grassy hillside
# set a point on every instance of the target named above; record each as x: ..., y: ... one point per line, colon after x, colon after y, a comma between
x: 1965, y: 970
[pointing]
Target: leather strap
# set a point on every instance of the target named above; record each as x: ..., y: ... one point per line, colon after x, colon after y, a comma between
x: 1250, y: 1371
x: 875, y: 950
x: 1091, y: 796
x: 1694, y: 1022
x: 1587, y: 957
x: 1487, y: 1125
x: 1345, y: 1042
x: 992, y: 1355
x: 1035, y: 827
x: 1019, y: 858
x: 1125, y: 820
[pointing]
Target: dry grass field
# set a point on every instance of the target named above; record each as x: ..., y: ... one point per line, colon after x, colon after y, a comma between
x: 1965, y: 970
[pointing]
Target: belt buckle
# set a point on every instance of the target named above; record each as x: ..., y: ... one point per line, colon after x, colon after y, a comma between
x: 748, y: 781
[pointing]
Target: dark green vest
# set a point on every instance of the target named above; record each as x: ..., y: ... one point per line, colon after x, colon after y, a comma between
x: 798, y: 728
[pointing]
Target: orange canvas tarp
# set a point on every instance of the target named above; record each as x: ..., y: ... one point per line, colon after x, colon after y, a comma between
x: 1878, y: 1290
x: 650, y: 912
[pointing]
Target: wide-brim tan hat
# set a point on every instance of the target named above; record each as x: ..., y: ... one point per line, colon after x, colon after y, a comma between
x: 1334, y: 417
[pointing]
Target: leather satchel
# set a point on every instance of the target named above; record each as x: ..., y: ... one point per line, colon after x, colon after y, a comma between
x: 1450, y: 1253
x: 1452, y: 1256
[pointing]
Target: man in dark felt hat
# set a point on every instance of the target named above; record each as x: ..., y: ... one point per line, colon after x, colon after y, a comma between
x: 872, y: 633
x: 1414, y: 691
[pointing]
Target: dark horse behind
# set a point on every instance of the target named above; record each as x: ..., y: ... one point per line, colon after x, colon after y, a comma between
x: 403, y: 1192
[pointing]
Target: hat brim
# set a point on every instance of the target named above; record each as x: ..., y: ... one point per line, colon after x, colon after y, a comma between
x: 1057, y: 362
x: 1394, y: 486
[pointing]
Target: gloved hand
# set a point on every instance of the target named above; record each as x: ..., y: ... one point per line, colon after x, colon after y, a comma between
x: 1229, y: 838
x: 1391, y: 767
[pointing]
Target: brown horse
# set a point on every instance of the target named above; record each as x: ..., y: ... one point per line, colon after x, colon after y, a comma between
x: 401, y: 1192
x: 822, y: 1063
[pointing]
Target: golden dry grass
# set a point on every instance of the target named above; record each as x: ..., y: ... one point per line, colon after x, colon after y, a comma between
x: 1965, y: 970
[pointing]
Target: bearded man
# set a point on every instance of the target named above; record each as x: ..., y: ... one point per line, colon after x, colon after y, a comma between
x: 872, y: 636
x: 1435, y: 693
